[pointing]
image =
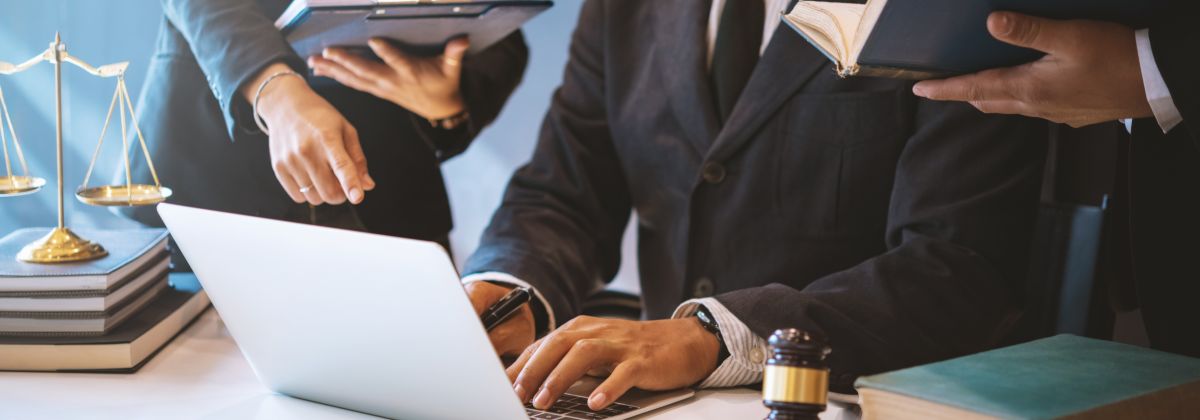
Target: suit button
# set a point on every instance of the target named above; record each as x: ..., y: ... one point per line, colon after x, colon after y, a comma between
x: 713, y: 173
x: 703, y: 288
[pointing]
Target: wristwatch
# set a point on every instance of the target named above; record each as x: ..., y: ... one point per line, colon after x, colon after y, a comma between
x: 709, y: 323
x: 451, y: 122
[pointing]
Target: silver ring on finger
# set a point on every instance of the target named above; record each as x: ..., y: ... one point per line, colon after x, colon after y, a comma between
x: 305, y: 190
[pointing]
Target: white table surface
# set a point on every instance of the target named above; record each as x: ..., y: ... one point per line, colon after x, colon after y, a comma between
x: 202, y: 375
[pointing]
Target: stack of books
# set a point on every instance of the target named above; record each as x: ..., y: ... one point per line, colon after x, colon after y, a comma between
x: 57, y: 316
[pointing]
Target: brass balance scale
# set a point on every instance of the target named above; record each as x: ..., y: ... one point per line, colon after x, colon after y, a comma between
x: 61, y: 245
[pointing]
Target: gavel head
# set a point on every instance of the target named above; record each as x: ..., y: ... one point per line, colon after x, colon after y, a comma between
x: 795, y: 377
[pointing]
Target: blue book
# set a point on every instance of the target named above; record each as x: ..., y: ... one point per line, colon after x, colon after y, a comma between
x: 925, y: 39
x: 1064, y: 376
x: 128, y: 251
x: 420, y: 26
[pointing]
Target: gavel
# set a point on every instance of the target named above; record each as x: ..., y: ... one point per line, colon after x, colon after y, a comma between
x: 795, y: 377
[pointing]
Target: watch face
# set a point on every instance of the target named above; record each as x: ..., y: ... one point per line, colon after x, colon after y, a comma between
x: 704, y: 318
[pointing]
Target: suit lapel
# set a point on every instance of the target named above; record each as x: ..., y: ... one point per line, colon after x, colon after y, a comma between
x: 788, y: 63
x: 682, y: 59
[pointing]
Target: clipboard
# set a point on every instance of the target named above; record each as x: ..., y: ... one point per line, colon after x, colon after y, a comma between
x: 421, y: 27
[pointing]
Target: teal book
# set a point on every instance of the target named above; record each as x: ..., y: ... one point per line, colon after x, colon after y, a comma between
x: 1060, y: 377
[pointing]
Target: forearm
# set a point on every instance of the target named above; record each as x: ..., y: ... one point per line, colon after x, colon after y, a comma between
x: 233, y: 41
x: 251, y: 88
x: 563, y: 216
x: 900, y: 309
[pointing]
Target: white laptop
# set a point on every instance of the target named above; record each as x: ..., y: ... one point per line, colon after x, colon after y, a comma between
x: 365, y: 322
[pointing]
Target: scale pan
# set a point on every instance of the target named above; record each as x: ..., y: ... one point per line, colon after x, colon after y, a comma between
x: 11, y: 186
x: 122, y: 195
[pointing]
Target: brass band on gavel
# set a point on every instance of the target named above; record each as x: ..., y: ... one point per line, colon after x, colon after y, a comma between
x: 795, y: 377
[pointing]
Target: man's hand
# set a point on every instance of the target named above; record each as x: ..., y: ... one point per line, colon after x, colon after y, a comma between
x: 426, y: 86
x: 1090, y: 73
x: 512, y: 335
x: 651, y: 355
x: 314, y: 151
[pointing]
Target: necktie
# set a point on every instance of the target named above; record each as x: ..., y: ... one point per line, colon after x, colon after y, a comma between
x: 739, y: 37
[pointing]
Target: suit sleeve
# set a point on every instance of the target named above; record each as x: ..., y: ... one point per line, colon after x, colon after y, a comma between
x: 1174, y: 39
x: 488, y: 79
x: 232, y: 40
x: 960, y: 222
x: 560, y: 224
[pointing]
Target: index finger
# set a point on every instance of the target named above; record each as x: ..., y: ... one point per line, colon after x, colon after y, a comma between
x: 543, y: 360
x: 584, y: 356
x: 344, y: 168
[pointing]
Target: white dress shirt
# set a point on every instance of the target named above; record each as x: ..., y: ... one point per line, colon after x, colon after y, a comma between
x: 1161, y: 104
x: 746, y: 350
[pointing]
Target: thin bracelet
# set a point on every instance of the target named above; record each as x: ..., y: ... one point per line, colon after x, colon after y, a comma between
x: 262, y: 125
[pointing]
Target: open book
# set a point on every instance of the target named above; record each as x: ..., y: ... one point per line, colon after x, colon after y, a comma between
x: 839, y: 30
x: 924, y: 39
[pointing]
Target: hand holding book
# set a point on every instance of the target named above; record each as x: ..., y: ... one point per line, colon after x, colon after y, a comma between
x: 427, y: 86
x: 1090, y: 73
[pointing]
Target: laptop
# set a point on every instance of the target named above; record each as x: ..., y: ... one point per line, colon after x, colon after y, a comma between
x: 370, y: 323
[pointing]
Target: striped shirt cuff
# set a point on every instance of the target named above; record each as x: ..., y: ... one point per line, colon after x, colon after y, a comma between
x: 509, y: 279
x: 747, y: 351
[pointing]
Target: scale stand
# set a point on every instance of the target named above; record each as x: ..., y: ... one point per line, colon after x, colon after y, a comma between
x: 61, y: 244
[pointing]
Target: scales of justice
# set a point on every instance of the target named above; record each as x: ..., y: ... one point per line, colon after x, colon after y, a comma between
x: 63, y: 245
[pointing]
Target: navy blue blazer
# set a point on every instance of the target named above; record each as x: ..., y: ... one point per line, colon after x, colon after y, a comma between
x: 897, y: 227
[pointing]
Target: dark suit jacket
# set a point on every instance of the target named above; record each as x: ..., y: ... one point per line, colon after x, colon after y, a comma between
x: 897, y: 227
x: 207, y: 50
x: 1165, y: 192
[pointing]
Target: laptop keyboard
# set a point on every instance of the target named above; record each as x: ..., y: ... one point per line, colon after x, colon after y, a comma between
x: 574, y: 407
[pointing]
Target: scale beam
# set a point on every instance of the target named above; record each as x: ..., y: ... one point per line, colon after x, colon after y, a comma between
x: 107, y: 70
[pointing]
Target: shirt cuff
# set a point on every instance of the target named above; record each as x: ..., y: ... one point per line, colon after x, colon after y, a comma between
x: 1156, y: 87
x: 509, y: 279
x: 747, y: 351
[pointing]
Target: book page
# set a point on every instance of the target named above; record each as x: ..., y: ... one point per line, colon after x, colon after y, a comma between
x: 819, y: 29
x: 845, y: 18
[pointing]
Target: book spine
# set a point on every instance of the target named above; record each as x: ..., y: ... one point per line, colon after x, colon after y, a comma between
x: 892, y: 72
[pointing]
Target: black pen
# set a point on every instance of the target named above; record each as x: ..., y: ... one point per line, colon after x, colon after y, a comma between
x: 505, y: 307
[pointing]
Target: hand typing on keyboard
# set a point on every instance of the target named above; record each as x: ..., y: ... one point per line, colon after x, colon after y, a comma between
x: 574, y: 407
x: 651, y: 355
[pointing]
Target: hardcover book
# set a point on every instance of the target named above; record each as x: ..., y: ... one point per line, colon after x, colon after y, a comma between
x: 926, y: 39
x: 87, y: 300
x: 1064, y: 376
x: 128, y: 251
x: 124, y: 349
x: 79, y: 323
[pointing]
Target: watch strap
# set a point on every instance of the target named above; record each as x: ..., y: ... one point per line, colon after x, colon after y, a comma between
x: 709, y: 322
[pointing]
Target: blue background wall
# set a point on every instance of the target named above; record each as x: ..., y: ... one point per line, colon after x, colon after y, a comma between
x: 102, y: 32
